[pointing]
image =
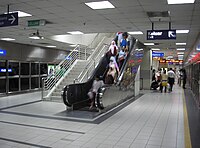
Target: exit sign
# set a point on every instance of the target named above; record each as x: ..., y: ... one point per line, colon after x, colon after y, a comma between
x: 32, y: 23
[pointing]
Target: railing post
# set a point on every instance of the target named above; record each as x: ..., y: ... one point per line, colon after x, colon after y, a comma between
x: 79, y: 52
x: 86, y: 53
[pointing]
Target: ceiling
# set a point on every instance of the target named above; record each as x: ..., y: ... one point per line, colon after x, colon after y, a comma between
x: 63, y: 16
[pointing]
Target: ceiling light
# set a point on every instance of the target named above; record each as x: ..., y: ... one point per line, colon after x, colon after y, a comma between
x: 180, y: 1
x: 51, y: 46
x: 180, y: 49
x: 34, y: 37
x: 75, y: 32
x: 100, y: 5
x: 73, y: 45
x: 180, y: 43
x: 20, y: 13
x: 182, y: 31
x: 135, y: 32
x: 7, y: 39
x: 149, y: 44
x: 155, y: 49
x: 180, y: 52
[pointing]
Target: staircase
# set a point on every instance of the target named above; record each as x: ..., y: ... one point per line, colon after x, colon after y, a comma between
x: 74, y: 69
x: 69, y: 79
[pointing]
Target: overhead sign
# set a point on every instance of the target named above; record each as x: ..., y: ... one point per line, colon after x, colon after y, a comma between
x: 161, y: 34
x: 10, y: 19
x: 32, y: 23
x: 2, y: 52
x: 157, y: 54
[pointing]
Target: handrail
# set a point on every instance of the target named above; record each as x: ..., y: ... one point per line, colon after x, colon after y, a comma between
x: 60, y: 70
x: 91, y: 64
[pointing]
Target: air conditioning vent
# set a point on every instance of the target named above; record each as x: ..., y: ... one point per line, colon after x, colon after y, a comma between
x: 158, y: 14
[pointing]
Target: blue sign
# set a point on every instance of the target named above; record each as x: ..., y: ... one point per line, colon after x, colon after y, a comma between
x: 161, y: 34
x: 157, y: 54
x: 4, y: 70
x: 139, y: 55
x: 2, y: 52
x: 10, y: 19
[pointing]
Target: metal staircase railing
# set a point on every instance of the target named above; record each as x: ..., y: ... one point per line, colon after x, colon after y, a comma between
x: 64, y: 66
x: 92, y: 63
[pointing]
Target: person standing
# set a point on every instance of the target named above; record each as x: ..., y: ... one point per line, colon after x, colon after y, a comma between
x: 97, y: 83
x: 171, y: 78
x: 184, y: 77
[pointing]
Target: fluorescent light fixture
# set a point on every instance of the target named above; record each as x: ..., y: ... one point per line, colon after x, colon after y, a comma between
x: 136, y: 32
x: 75, y: 32
x: 20, y: 13
x: 7, y: 39
x: 182, y: 31
x: 35, y: 37
x: 155, y: 49
x: 180, y: 1
x: 51, y: 46
x: 180, y: 49
x: 139, y: 49
x: 100, y: 5
x: 180, y: 43
x: 73, y: 45
x: 149, y: 44
x: 180, y: 53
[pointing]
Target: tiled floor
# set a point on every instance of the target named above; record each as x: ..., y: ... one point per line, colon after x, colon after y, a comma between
x: 154, y: 120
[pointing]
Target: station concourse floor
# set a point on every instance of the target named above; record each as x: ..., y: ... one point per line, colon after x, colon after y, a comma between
x: 154, y: 120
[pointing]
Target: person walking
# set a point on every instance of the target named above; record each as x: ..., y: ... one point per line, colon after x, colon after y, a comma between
x: 164, y: 78
x: 171, y: 78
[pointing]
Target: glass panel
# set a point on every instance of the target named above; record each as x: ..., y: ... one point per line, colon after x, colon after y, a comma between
x: 13, y: 68
x: 2, y: 85
x: 24, y: 68
x: 24, y: 83
x: 3, y: 68
x: 34, y: 68
x: 34, y: 83
x: 13, y: 84
x: 43, y: 68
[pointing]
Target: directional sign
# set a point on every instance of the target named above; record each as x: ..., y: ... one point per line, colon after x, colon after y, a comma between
x: 157, y: 54
x: 161, y: 34
x: 10, y: 19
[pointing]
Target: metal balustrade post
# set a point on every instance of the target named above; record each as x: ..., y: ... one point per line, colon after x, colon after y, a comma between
x: 85, y: 53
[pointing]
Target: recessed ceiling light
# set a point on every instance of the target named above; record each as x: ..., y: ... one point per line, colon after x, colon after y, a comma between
x: 180, y: 49
x: 182, y: 31
x: 135, y: 32
x: 73, y: 45
x: 180, y: 43
x: 149, y: 44
x: 180, y: 52
x: 180, y: 1
x: 100, y: 5
x: 155, y: 49
x: 51, y: 46
x: 20, y: 13
x: 75, y: 32
x: 7, y: 39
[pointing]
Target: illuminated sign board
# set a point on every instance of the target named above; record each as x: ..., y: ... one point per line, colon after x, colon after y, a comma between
x: 4, y: 70
x: 161, y: 34
x: 2, y: 52
x: 157, y: 54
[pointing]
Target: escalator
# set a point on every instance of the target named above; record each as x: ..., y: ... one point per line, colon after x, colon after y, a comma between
x: 75, y: 95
